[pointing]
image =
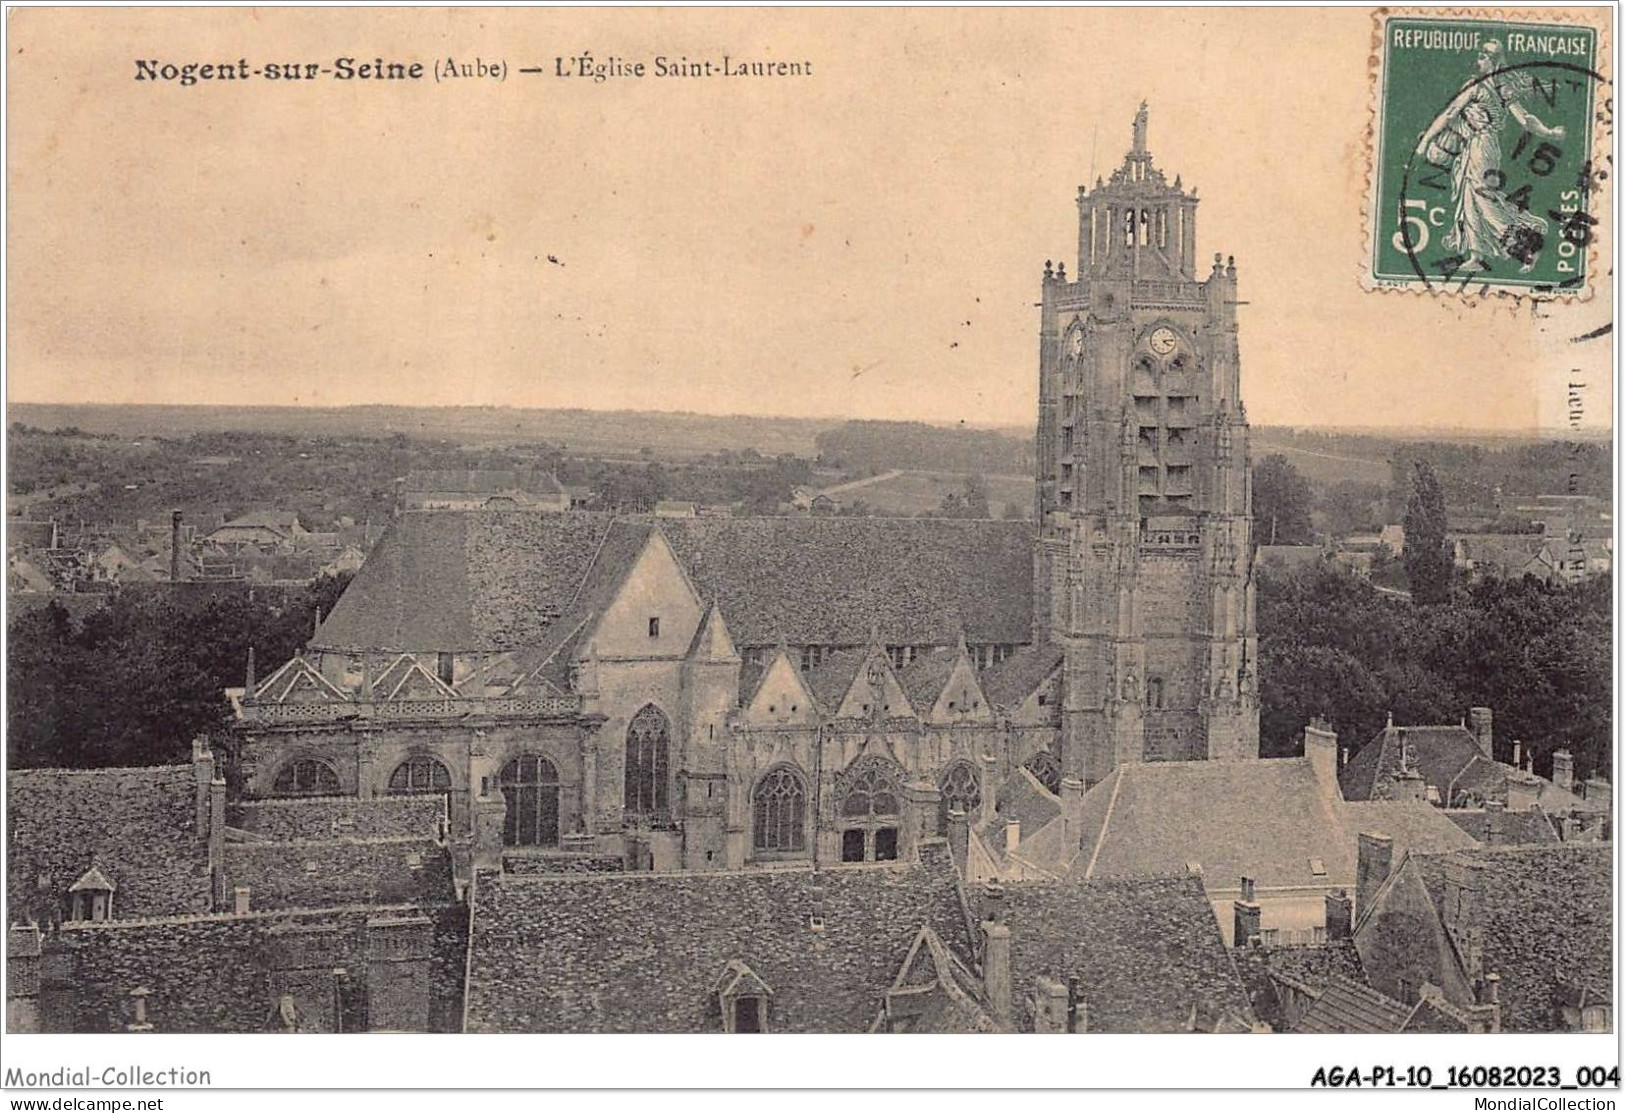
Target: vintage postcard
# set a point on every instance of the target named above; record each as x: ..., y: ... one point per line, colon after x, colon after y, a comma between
x: 554, y: 524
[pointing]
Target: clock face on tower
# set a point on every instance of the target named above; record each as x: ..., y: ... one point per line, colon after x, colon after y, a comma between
x: 1163, y: 341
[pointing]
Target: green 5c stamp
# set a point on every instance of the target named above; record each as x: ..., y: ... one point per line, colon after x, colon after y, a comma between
x: 1482, y: 173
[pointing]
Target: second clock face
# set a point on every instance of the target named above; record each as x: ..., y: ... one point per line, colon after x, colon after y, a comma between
x: 1163, y: 341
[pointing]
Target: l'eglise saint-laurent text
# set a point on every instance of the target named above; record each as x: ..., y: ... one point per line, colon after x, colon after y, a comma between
x: 587, y: 65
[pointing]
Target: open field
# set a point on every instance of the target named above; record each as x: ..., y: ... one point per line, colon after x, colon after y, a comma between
x: 908, y: 493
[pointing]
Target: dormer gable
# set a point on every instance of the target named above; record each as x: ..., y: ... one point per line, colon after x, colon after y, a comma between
x: 406, y: 679
x: 933, y: 991
x: 744, y: 998
x: 861, y: 684
x: 957, y: 696
x: 299, y: 682
x: 90, y: 899
x: 782, y: 697
x: 652, y: 611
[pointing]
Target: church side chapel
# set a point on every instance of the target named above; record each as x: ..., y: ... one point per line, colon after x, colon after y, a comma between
x: 693, y: 694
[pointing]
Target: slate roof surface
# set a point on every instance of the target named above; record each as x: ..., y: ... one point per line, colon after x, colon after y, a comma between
x: 489, y: 579
x: 1504, y: 828
x: 1146, y: 952
x: 643, y: 952
x: 1008, y: 683
x: 1412, y: 825
x: 1547, y: 914
x: 1347, y: 1006
x: 138, y: 826
x: 1264, y: 819
x: 828, y: 581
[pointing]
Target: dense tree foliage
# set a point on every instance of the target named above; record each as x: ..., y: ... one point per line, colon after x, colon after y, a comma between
x: 1282, y: 499
x: 1428, y: 564
x: 1331, y: 644
x: 134, y: 682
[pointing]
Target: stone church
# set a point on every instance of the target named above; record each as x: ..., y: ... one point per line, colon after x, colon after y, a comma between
x: 595, y: 691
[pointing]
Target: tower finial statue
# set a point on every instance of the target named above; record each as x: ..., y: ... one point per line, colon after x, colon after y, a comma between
x: 1140, y: 120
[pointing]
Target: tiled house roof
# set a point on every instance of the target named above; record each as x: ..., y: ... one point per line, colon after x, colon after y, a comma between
x: 829, y: 581
x: 1271, y: 972
x: 1413, y: 825
x: 926, y: 676
x: 643, y: 952
x: 1269, y: 820
x: 1012, y: 680
x: 1145, y: 954
x: 138, y: 826
x: 1446, y: 756
x: 1504, y: 828
x: 338, y: 872
x: 1346, y: 1006
x: 1546, y: 918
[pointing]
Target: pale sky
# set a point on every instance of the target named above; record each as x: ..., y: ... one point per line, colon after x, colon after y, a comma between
x: 865, y: 241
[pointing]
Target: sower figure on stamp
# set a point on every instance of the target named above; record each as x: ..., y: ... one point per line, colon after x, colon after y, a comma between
x: 1486, y: 224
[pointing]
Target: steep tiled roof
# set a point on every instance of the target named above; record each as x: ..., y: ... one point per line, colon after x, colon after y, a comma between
x: 1012, y: 680
x: 450, y: 580
x: 1268, y: 971
x: 1444, y: 755
x: 1412, y: 825
x: 643, y: 952
x: 1346, y: 1007
x: 1547, y: 917
x: 138, y: 826
x: 1146, y: 954
x: 828, y: 581
x: 1504, y: 828
x: 482, y: 580
x: 1265, y: 819
x: 338, y: 872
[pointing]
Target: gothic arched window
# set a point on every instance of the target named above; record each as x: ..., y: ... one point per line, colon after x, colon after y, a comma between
x: 779, y: 805
x: 530, y: 785
x: 648, y: 746
x: 306, y: 777
x: 961, y: 790
x: 1047, y: 769
x: 869, y: 801
x: 419, y: 774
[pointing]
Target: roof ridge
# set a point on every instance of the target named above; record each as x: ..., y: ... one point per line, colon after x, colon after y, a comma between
x: 1105, y: 824
x: 252, y: 914
x: 111, y: 769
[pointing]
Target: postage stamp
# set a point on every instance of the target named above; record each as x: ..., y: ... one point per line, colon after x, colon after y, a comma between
x: 1484, y: 176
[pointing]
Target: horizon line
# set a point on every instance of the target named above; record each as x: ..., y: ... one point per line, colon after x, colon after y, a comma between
x: 1552, y: 431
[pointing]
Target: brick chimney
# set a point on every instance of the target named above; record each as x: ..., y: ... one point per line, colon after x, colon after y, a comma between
x: 1051, y: 1006
x: 1523, y: 790
x: 241, y: 899
x: 1376, y: 859
x: 1599, y: 791
x: 1012, y: 835
x: 923, y: 801
x: 1339, y: 915
x: 1072, y: 810
x: 1517, y: 753
x: 202, y: 777
x: 1320, y: 747
x: 990, y: 791
x: 996, y: 972
x: 1462, y: 910
x: 1481, y: 721
x: 1563, y: 770
x: 1248, y: 916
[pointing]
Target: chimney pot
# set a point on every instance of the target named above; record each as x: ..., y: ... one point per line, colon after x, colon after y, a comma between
x: 240, y: 900
x: 1012, y: 835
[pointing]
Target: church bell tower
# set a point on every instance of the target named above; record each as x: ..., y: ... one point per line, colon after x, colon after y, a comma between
x: 1144, y: 553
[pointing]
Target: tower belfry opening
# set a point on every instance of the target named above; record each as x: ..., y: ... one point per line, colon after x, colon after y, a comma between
x: 1144, y: 555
